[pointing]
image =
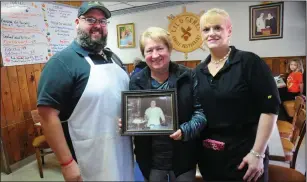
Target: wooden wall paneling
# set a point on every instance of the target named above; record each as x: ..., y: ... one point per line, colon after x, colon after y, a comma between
x: 269, y: 62
x: 75, y: 3
x: 15, y: 93
x: 63, y: 2
x: 11, y: 116
x: 24, y: 92
x: 181, y: 62
x: 192, y: 64
x: 275, y: 66
x: 6, y: 97
x: 31, y: 85
x: 37, y: 73
x: 283, y: 65
x: 3, y: 119
x: 7, y: 144
x: 20, y: 127
x: 130, y: 67
x: 71, y: 3
x: 5, y: 134
x: 26, y: 107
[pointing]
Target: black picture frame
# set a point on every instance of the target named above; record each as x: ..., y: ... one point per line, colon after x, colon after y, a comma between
x: 266, y: 21
x: 139, y: 116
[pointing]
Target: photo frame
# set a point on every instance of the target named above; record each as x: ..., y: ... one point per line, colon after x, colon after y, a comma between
x: 149, y: 112
x: 266, y: 21
x: 125, y: 35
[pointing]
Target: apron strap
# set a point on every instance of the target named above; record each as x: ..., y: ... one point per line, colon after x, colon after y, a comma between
x: 89, y: 60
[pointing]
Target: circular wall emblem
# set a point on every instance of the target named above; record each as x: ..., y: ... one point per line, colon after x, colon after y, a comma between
x: 185, y: 32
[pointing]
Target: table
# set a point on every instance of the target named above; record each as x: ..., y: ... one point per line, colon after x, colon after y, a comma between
x: 275, y: 145
x: 138, y: 122
x: 279, y: 82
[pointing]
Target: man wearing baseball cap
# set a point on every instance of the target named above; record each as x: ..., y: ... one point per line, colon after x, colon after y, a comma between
x: 80, y: 87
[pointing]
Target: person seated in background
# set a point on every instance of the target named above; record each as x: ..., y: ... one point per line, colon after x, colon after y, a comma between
x: 138, y: 65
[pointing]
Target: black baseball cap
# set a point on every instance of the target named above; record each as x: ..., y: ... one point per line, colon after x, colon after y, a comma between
x: 86, y: 6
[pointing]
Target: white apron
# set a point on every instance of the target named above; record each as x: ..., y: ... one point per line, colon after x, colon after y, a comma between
x: 102, y: 153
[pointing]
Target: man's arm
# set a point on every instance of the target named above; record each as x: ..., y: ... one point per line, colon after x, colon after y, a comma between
x: 54, y: 134
x: 52, y: 89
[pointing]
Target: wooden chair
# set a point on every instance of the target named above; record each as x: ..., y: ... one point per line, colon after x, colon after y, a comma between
x: 39, y: 143
x: 291, y: 105
x: 292, y: 146
x: 284, y: 127
x: 284, y: 174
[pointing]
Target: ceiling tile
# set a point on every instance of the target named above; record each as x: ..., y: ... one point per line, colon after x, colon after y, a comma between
x: 110, y: 3
x: 140, y: 3
x: 118, y: 6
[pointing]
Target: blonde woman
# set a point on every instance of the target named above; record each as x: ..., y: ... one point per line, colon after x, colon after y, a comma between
x: 240, y: 99
x: 174, y: 157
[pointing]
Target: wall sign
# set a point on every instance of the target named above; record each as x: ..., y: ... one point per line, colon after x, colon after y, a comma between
x: 185, y: 31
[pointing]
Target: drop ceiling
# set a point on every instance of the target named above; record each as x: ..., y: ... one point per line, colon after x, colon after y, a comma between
x: 115, y: 6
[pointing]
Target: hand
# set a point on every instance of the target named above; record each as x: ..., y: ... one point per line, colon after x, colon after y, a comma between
x: 177, y: 135
x: 255, y: 167
x: 71, y: 172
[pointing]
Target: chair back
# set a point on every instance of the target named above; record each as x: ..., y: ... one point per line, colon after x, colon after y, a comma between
x: 300, y: 121
x: 298, y: 145
x: 37, y: 120
x: 298, y: 104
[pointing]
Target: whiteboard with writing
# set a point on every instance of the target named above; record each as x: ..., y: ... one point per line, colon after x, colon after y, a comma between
x: 31, y: 32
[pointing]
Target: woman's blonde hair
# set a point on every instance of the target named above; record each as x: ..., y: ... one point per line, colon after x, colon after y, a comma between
x: 299, y: 63
x: 156, y: 34
x: 211, y: 13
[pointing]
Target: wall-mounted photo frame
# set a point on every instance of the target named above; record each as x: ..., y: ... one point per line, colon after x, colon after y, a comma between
x: 150, y: 112
x: 125, y: 35
x: 266, y: 21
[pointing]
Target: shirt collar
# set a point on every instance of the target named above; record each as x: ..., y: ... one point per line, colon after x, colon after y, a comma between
x: 79, y: 49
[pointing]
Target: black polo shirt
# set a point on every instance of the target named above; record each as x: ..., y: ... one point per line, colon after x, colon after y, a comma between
x: 65, y: 77
x: 235, y: 97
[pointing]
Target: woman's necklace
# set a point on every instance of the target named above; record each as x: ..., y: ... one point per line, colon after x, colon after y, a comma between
x: 217, y: 62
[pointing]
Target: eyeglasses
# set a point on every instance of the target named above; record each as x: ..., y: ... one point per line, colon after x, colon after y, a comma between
x: 92, y: 21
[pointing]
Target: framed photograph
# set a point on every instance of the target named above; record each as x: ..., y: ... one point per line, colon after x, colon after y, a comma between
x: 150, y: 112
x: 125, y: 35
x: 266, y: 21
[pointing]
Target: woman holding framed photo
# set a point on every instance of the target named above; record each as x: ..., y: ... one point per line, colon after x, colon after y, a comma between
x: 174, y: 157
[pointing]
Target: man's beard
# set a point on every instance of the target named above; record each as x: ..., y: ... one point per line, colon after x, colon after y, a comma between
x: 85, y: 40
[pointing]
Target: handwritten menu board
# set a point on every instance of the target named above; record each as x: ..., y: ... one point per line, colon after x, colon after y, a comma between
x: 31, y: 32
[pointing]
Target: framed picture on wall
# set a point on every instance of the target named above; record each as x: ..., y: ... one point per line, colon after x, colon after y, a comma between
x: 266, y: 21
x: 150, y: 112
x: 125, y: 35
